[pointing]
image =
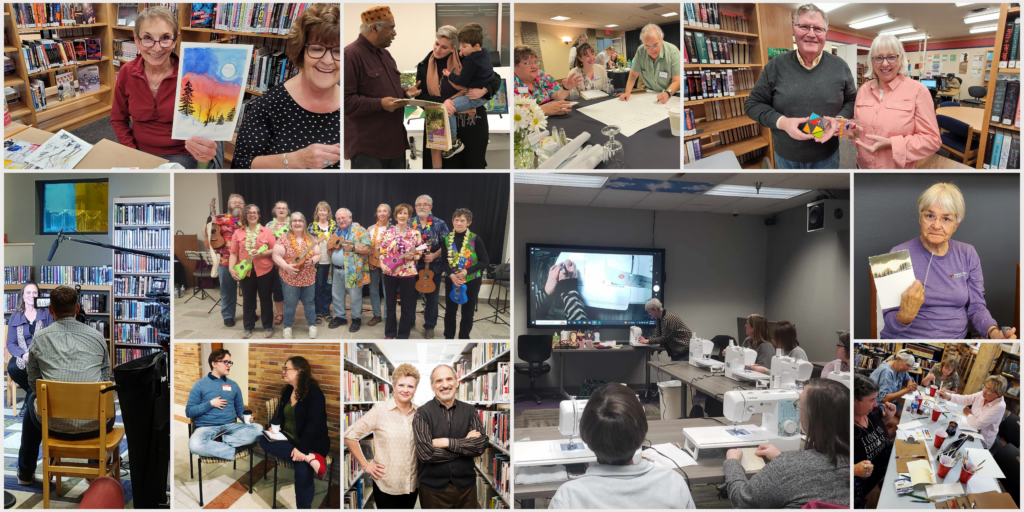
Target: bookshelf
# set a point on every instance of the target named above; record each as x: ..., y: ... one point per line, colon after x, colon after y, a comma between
x: 139, y: 223
x: 1007, y: 14
x: 370, y: 363
x: 769, y: 27
x: 1002, y: 366
x: 71, y: 113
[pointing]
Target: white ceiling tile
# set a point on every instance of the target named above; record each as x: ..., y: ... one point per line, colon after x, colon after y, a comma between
x: 813, y: 181
x: 941, y: 20
x: 610, y: 198
x: 662, y: 201
x: 647, y: 175
x: 531, y: 190
x: 573, y: 196
x: 767, y: 179
x: 693, y: 208
x: 705, y: 177
x: 713, y: 201
x: 519, y: 198
x: 747, y: 206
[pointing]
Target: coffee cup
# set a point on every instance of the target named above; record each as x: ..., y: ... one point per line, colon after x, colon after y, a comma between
x: 275, y: 428
x: 673, y: 120
x: 247, y: 416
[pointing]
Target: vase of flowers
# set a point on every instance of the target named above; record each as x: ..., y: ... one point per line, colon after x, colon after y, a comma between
x: 528, y: 118
x: 621, y: 62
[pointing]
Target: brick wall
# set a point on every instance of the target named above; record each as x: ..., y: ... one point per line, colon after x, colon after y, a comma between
x: 265, y: 362
x: 188, y: 368
x: 532, y: 39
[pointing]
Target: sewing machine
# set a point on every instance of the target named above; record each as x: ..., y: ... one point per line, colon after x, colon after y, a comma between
x: 844, y: 377
x: 571, y: 450
x: 700, y: 354
x: 737, y: 359
x: 634, y: 335
x: 780, y: 422
x: 786, y: 371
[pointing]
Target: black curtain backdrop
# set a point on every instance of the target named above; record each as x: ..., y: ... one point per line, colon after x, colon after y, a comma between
x: 485, y: 194
x: 633, y: 42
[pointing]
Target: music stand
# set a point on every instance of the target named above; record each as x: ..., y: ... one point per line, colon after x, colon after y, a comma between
x: 502, y: 276
x: 198, y: 291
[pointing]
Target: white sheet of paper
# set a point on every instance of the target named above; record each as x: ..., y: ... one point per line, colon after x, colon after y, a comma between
x: 541, y: 474
x: 954, y: 489
x: 592, y: 94
x: 276, y: 437
x: 962, y: 421
x: 669, y: 454
x: 910, y: 425
x: 641, y: 111
x: 977, y: 485
x: 920, y: 472
x: 62, y: 151
x: 889, y: 288
x: 989, y: 469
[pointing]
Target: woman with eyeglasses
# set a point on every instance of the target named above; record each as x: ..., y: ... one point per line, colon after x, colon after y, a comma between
x: 818, y: 472
x: 145, y: 95
x: 897, y: 114
x: 949, y: 289
x: 302, y: 415
x: 984, y: 410
x: 297, y: 125
x: 872, y: 438
x: 254, y: 243
x: 843, y: 353
x: 25, y: 321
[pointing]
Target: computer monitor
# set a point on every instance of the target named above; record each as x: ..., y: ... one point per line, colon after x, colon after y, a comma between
x: 930, y: 83
x: 915, y: 77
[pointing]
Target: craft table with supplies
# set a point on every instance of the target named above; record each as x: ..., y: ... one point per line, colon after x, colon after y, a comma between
x: 888, y: 499
x: 105, y: 154
x: 561, y: 352
x: 706, y: 471
x: 653, y: 147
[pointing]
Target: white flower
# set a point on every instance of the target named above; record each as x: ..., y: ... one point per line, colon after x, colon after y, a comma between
x: 521, y: 116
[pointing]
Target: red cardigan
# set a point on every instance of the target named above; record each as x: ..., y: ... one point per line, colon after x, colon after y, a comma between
x: 152, y: 118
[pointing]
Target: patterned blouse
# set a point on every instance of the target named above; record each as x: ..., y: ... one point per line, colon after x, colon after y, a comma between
x: 307, y: 274
x: 432, y: 233
x: 394, y: 244
x: 544, y: 87
x: 228, y: 224
x: 314, y: 229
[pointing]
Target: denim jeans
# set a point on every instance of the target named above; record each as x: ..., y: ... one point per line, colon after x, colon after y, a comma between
x: 228, y: 293
x: 355, y: 296
x: 430, y: 310
x: 292, y: 296
x: 278, y: 294
x: 462, y: 103
x: 831, y: 162
x: 323, y: 290
x: 376, y: 294
x: 235, y: 435
x: 304, y: 474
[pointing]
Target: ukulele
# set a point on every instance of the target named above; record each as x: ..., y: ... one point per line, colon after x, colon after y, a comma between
x: 214, y: 237
x: 458, y: 294
x: 425, y: 284
x: 335, y: 242
x: 243, y: 267
x: 374, y: 258
x: 299, y: 259
x: 394, y: 262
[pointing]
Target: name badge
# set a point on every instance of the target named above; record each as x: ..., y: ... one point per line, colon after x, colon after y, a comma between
x: 226, y: 387
x: 596, y: 78
x: 523, y: 90
x: 662, y: 74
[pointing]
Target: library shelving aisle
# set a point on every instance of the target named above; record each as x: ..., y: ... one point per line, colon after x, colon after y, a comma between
x: 142, y: 223
x: 721, y: 122
x: 367, y: 380
x: 1002, y: 115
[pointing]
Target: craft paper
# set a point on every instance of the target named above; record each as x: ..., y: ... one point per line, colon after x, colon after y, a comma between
x: 893, y: 274
x: 954, y: 489
x: 751, y: 462
x: 962, y: 421
x: 670, y: 457
x: 910, y: 425
x: 62, y: 151
x: 920, y: 472
x: 641, y: 111
x: 211, y: 83
x: 990, y: 469
x: 978, y: 485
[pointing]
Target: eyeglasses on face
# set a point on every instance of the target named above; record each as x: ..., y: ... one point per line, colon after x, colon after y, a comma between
x: 891, y: 59
x: 165, y: 42
x: 317, y: 51
x: 287, y: 369
x: 226, y: 362
x: 807, y: 28
x: 945, y: 220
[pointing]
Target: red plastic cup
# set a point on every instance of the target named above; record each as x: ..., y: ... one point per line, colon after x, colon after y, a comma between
x: 944, y: 469
x: 919, y: 400
x: 965, y: 475
x: 935, y: 414
x: 931, y: 391
x: 940, y: 437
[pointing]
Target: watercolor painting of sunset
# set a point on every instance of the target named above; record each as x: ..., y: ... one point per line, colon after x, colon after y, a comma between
x: 211, y: 83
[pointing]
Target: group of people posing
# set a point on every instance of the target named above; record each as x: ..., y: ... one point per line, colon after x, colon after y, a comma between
x: 322, y: 262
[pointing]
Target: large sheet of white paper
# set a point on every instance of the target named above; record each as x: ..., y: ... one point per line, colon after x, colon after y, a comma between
x: 641, y: 111
x: 62, y: 151
x: 893, y: 274
x: 984, y: 458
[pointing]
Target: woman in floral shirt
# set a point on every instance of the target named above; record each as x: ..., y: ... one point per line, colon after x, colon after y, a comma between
x: 298, y: 282
x: 531, y: 81
x: 399, y: 240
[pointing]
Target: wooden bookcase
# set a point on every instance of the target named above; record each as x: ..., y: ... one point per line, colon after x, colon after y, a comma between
x: 351, y: 474
x: 770, y: 27
x: 132, y: 342
x: 1005, y: 13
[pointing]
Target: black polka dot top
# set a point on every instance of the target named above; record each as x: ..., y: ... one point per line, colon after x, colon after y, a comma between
x: 277, y: 124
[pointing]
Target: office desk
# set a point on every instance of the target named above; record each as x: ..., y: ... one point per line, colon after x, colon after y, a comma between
x: 105, y: 154
x: 975, y: 117
x: 941, y: 162
x: 888, y: 498
x: 701, y: 380
x: 658, y: 432
x: 622, y: 348
x: 949, y: 93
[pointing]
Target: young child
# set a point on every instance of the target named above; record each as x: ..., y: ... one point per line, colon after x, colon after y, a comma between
x: 614, y: 426
x: 476, y: 73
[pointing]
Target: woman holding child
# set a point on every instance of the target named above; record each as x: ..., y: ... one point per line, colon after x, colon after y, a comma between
x: 439, y: 72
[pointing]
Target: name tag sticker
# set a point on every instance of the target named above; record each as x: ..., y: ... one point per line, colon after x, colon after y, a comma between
x: 226, y: 387
x: 662, y: 74
x: 524, y: 90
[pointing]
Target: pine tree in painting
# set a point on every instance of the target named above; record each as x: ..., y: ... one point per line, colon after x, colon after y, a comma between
x: 231, y: 115
x: 220, y: 119
x: 186, y: 100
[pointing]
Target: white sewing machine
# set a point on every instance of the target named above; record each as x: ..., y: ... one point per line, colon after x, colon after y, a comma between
x: 780, y: 422
x: 786, y: 371
x: 737, y: 359
x: 634, y: 335
x: 700, y: 354
x: 571, y: 450
x: 844, y: 377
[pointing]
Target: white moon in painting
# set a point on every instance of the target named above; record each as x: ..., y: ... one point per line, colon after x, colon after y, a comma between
x: 228, y: 70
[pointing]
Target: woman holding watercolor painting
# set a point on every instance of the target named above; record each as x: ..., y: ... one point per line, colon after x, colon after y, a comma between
x: 146, y: 91
x: 297, y: 125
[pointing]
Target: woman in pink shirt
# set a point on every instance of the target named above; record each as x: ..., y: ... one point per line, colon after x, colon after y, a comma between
x: 897, y: 112
x: 984, y: 409
x: 246, y: 244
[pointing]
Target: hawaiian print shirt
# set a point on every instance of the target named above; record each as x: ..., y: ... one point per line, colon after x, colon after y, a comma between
x: 544, y: 87
x: 433, y: 236
x: 357, y: 267
x: 228, y: 224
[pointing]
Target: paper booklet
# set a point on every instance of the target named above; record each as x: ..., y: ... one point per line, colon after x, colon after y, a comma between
x: 893, y: 274
x: 274, y: 437
x: 435, y: 117
x: 593, y: 94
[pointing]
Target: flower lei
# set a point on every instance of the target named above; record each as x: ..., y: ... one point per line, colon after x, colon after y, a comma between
x: 250, y: 240
x: 279, y: 227
x: 295, y: 245
x: 464, y: 254
x: 424, y: 233
x: 316, y: 231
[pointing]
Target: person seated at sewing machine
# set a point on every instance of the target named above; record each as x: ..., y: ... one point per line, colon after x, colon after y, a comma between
x: 984, y: 409
x: 843, y: 353
x: 872, y: 439
x: 783, y: 337
x: 614, y: 426
x: 670, y: 332
x: 818, y: 472
x: 756, y: 330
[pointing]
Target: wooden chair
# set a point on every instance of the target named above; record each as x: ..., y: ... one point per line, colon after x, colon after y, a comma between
x: 83, y: 401
x: 271, y: 407
x: 240, y: 453
x: 959, y: 139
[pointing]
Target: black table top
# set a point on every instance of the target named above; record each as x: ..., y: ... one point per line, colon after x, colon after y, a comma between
x: 653, y: 147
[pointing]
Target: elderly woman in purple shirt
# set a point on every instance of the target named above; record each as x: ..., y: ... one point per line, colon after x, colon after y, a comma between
x: 949, y: 289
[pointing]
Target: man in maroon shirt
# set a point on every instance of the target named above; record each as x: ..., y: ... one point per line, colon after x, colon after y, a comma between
x: 374, y: 134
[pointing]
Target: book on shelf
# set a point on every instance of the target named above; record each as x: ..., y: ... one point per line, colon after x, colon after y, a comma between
x: 88, y: 79
x: 1010, y: 102
x: 80, y: 49
x: 998, y: 97
x: 124, y: 355
x: 125, y: 49
x: 137, y: 286
x: 143, y: 238
x: 17, y: 274
x: 42, y: 15
x: 257, y: 18
x: 360, y: 388
x: 202, y: 15
x: 135, y: 333
x: 126, y: 14
x: 368, y: 359
x: 65, y: 86
x: 142, y: 214
x: 71, y: 275
x: 173, y: 7
x: 93, y: 49
x: 496, y: 427
x: 1015, y: 44
x: 1006, y: 45
x: 137, y: 263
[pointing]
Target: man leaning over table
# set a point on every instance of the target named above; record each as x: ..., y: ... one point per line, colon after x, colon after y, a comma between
x: 795, y: 85
x: 657, y: 62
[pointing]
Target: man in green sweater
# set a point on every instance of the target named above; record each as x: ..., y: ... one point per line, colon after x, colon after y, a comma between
x: 797, y: 84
